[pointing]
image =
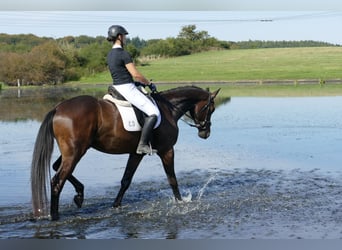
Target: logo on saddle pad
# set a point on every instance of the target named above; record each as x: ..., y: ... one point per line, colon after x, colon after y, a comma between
x: 128, y: 114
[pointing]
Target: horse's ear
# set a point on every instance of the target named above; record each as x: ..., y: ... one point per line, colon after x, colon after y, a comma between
x: 214, y: 94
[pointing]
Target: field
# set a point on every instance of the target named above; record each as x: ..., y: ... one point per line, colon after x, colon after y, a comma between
x: 253, y: 72
x: 239, y: 65
x: 313, y: 71
x: 253, y: 64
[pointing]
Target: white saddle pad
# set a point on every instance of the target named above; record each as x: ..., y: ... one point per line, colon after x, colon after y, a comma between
x: 127, y: 113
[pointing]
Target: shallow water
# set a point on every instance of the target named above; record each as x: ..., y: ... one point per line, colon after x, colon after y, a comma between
x: 270, y: 169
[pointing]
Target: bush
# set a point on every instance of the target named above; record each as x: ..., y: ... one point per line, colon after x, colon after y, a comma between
x: 189, y: 41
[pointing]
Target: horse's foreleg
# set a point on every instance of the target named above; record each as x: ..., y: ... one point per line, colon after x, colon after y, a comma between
x: 169, y: 167
x: 131, y: 167
x: 79, y: 187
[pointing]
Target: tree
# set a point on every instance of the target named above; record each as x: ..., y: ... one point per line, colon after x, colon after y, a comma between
x: 94, y: 57
x: 189, y: 32
x: 47, y: 64
x: 20, y: 43
x: 133, y: 51
x: 36, y: 60
x: 137, y: 42
x: 187, y: 42
x: 12, y: 67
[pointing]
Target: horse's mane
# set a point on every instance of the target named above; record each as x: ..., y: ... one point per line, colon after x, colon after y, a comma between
x: 176, y: 91
x: 163, y: 96
x: 180, y: 89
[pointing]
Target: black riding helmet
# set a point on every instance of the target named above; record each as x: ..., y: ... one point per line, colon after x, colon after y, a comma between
x: 114, y: 31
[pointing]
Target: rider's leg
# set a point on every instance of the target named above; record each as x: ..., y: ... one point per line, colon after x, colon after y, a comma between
x: 146, y: 132
x: 138, y: 99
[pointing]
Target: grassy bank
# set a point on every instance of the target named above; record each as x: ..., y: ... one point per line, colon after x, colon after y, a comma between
x: 227, y: 90
x: 236, y: 65
x: 273, y: 90
x: 252, y: 72
x: 254, y: 64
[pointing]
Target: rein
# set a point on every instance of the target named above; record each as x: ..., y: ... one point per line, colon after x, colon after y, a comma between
x: 188, y: 123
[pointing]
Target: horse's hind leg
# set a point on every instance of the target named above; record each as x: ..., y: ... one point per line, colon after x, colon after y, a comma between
x: 131, y: 167
x: 169, y: 167
x: 57, y: 183
x: 65, y: 170
x: 79, y: 187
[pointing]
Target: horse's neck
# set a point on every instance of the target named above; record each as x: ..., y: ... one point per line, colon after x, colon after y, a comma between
x: 182, y: 105
x: 183, y: 102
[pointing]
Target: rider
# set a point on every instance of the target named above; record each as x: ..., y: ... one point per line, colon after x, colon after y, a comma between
x: 123, y: 72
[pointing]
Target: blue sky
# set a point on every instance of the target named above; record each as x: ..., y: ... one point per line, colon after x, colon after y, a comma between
x: 233, y: 20
x: 203, y: 5
x: 224, y: 25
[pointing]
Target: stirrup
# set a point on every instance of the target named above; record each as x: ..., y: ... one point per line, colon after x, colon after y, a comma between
x: 145, y: 149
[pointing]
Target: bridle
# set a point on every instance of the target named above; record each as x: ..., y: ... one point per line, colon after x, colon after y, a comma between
x: 202, y: 125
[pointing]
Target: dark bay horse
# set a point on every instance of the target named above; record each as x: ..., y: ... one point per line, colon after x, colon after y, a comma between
x: 84, y: 121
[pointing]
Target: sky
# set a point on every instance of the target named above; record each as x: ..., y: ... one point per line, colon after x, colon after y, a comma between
x: 225, y: 20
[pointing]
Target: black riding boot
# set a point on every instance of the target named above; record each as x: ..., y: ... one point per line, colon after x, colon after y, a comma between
x: 143, y: 146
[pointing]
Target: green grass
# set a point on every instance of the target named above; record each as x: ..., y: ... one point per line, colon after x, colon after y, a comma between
x: 232, y: 69
x: 244, y: 72
x: 103, y: 77
x: 228, y: 90
x: 253, y: 64
x: 239, y: 65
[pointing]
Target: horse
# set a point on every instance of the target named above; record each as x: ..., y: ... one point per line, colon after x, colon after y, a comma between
x: 84, y: 122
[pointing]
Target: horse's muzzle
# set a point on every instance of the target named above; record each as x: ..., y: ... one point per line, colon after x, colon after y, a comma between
x: 204, y: 134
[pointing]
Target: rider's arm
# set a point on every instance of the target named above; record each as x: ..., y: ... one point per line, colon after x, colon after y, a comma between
x: 136, y: 74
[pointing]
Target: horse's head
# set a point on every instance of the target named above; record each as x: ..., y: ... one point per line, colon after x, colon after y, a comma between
x: 201, y: 114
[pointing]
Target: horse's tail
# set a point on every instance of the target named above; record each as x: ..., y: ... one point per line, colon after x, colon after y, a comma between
x: 40, y: 166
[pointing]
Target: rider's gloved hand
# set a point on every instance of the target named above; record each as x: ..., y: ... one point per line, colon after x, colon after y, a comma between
x: 152, y: 87
x: 138, y: 84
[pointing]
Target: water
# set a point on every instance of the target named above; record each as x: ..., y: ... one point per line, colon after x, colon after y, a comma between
x: 270, y: 169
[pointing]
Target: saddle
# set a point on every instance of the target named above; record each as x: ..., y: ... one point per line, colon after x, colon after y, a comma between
x: 132, y: 117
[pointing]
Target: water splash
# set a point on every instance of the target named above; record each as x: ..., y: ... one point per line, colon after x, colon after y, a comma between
x: 188, y: 196
x: 201, y: 191
x: 188, y: 204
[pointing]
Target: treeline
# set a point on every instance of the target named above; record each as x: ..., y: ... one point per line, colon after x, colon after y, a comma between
x: 32, y: 60
x: 259, y: 44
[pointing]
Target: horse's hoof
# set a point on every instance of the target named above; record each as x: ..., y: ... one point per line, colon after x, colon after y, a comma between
x: 78, y: 199
x: 54, y: 217
x: 116, y: 205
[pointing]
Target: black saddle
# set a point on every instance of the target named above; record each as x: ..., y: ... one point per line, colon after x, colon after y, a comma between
x: 116, y: 95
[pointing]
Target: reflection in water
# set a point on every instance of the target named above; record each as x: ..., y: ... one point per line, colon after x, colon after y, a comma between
x: 26, y: 104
